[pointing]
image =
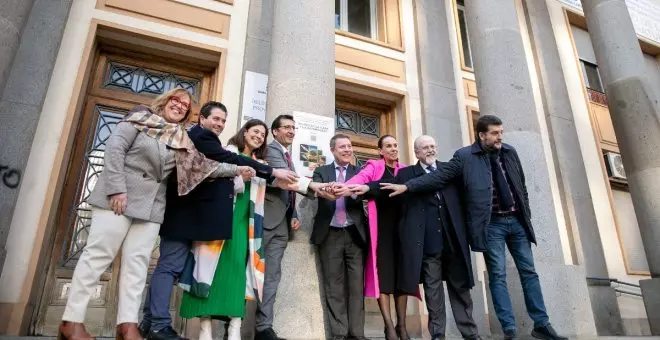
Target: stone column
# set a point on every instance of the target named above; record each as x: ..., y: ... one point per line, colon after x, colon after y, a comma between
x: 571, y: 168
x: 505, y: 90
x: 636, y: 117
x: 442, y: 116
x: 301, y: 78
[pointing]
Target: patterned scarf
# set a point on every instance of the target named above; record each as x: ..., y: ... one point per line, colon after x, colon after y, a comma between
x: 192, y: 166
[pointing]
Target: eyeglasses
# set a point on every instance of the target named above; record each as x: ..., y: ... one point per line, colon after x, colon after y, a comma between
x: 288, y: 127
x: 177, y: 101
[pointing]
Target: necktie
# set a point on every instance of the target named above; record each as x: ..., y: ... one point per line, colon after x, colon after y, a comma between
x: 292, y: 194
x: 502, y: 187
x: 340, y: 208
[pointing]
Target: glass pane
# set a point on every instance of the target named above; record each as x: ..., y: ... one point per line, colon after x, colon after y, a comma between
x: 465, y: 43
x: 337, y: 14
x: 359, y: 17
x: 592, y: 77
x: 146, y: 81
x: 80, y: 216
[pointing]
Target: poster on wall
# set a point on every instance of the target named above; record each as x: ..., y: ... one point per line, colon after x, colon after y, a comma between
x: 255, y: 91
x: 311, y: 147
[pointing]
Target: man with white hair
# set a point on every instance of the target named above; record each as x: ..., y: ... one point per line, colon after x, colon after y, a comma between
x: 435, y: 246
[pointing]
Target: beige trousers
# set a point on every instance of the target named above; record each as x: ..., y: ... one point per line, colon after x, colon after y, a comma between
x: 108, y: 233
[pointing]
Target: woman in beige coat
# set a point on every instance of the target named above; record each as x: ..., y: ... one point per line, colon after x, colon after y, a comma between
x: 128, y: 204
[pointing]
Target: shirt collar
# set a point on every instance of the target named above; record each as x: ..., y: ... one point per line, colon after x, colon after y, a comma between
x: 339, y: 166
x: 284, y: 148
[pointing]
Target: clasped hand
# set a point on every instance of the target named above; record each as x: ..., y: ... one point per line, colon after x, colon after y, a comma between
x: 333, y: 190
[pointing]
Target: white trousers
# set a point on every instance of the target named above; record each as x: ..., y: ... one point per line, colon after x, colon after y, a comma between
x: 108, y: 233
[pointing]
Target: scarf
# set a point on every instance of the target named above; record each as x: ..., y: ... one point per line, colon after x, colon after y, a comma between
x: 192, y: 167
x: 501, y: 185
x: 202, y: 262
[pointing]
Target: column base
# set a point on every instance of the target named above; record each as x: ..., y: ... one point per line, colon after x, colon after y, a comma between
x: 651, y: 295
x: 298, y: 307
x: 566, y: 299
x: 605, y: 307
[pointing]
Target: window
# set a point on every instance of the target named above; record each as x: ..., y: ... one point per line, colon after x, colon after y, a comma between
x: 465, y: 39
x: 357, y: 16
x: 591, y: 76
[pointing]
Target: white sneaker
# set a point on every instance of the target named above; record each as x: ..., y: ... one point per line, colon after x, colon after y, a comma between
x: 234, y: 331
x: 205, y: 329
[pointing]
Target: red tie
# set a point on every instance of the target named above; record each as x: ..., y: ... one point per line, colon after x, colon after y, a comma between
x: 292, y: 194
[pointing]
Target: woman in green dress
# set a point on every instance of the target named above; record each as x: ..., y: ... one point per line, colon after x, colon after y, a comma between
x: 239, y: 272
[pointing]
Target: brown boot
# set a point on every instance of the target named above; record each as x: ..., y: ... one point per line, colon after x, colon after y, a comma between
x: 73, y: 331
x: 128, y: 331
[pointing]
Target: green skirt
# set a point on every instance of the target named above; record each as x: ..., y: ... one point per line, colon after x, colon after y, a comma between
x: 227, y: 294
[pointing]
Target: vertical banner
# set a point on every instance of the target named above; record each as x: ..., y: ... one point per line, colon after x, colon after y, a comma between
x: 311, y: 147
x: 255, y: 91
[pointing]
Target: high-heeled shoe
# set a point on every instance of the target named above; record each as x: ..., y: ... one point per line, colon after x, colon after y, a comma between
x: 128, y: 331
x: 389, y: 334
x: 73, y: 331
x: 402, y: 333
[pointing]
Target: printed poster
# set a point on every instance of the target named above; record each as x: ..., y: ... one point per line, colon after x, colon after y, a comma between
x: 311, y: 147
x: 255, y: 91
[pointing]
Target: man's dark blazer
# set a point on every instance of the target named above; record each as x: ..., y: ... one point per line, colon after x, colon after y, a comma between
x: 471, y: 164
x: 206, y: 213
x: 412, y: 228
x: 326, y: 208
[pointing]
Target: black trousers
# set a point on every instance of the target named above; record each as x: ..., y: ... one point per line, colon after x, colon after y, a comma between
x: 452, y: 265
x: 342, y: 263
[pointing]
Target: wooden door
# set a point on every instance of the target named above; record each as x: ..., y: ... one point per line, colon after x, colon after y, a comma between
x: 118, y: 83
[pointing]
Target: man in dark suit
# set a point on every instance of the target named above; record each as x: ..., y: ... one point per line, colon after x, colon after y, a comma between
x: 280, y: 218
x: 499, y: 216
x: 205, y: 214
x: 434, y: 244
x: 341, y: 238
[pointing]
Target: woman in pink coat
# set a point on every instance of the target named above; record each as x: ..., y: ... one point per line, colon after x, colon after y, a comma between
x: 382, y: 256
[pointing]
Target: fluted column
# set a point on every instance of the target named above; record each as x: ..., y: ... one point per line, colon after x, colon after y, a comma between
x: 635, y: 114
x: 505, y: 89
x: 301, y: 78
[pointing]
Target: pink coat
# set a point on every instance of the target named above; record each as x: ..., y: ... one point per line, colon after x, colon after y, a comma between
x: 372, y: 171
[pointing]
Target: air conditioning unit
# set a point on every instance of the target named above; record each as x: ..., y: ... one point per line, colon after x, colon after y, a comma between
x: 615, y: 168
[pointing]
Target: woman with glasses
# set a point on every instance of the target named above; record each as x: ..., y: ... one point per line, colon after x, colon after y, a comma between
x: 128, y: 204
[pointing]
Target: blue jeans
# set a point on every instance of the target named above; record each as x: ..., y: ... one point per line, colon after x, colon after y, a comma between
x: 507, y: 231
x: 173, y: 254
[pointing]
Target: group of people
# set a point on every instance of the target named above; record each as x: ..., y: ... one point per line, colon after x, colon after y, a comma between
x: 225, y: 214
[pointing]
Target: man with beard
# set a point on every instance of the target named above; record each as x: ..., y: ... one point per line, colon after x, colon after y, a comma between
x: 498, y: 217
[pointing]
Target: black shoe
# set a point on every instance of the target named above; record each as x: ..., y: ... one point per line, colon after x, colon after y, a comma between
x: 357, y: 338
x: 144, y: 328
x: 267, y: 334
x: 547, y: 333
x: 438, y: 337
x: 472, y: 337
x: 510, y: 335
x: 168, y: 333
x: 338, y: 337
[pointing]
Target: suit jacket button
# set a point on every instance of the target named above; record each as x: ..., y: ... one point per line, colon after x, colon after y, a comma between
x: 158, y: 180
x: 144, y: 175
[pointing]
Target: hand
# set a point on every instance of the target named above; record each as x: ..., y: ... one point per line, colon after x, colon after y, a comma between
x: 287, y: 186
x: 325, y: 191
x: 295, y: 224
x: 118, y: 203
x: 359, y: 189
x: 397, y: 189
x: 341, y: 190
x: 319, y: 187
x: 285, y: 175
x: 245, y: 172
x: 312, y: 166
